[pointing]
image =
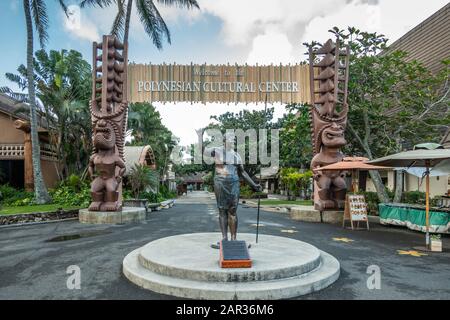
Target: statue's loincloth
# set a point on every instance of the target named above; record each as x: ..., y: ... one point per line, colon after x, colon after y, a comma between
x: 227, y: 191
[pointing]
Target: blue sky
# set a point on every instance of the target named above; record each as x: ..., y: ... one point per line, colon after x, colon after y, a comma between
x: 235, y: 31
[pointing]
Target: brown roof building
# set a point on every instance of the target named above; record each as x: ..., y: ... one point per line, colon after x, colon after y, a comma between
x: 428, y: 42
x: 15, y: 148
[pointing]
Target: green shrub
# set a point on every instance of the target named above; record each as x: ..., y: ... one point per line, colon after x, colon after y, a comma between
x: 246, y: 192
x: 413, y: 197
x: 72, y: 191
x: 140, y: 178
x: 166, y: 193
x: 13, y: 197
x: 70, y: 196
x: 152, y: 197
x: 74, y: 182
x: 372, y: 201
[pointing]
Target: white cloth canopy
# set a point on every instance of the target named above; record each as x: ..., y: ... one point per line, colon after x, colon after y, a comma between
x: 441, y: 169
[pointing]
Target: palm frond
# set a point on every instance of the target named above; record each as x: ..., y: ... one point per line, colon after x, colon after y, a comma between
x: 63, y: 6
x: 164, y: 30
x: 21, y: 97
x: 20, y: 81
x: 40, y: 18
x: 152, y: 21
x: 93, y: 3
x: 149, y: 22
x: 188, y: 4
x: 119, y: 22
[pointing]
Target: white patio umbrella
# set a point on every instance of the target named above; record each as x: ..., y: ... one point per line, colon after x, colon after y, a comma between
x: 426, y: 155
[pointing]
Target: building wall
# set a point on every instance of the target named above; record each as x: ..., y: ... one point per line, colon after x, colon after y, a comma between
x: 9, y: 133
x: 438, y: 185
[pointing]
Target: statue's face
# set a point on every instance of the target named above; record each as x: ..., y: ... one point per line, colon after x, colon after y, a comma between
x: 104, y: 136
x: 333, y: 135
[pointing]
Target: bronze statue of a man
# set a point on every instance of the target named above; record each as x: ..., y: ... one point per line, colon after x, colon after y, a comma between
x: 228, y: 168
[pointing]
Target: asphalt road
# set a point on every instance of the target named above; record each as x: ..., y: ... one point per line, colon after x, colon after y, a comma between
x: 31, y: 267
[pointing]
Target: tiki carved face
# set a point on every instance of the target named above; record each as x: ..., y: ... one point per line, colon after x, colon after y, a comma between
x: 104, y: 136
x: 333, y: 135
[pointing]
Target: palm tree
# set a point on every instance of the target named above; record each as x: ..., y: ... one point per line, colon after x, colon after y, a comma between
x: 36, y: 11
x: 151, y: 19
x: 62, y: 82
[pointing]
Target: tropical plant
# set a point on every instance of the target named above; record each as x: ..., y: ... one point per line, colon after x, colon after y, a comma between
x: 63, y: 84
x: 295, y: 137
x: 147, y: 129
x: 140, y: 178
x: 151, y: 19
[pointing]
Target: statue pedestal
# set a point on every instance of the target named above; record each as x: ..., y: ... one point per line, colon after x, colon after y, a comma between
x: 127, y: 215
x: 186, y: 266
x: 309, y: 214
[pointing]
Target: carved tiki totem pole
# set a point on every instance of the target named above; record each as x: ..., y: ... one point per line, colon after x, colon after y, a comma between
x: 328, y: 66
x: 109, y: 108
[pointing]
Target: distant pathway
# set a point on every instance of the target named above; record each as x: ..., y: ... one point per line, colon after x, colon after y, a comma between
x: 197, y: 197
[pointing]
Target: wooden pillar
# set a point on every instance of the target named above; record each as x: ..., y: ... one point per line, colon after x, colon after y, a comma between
x: 27, y: 159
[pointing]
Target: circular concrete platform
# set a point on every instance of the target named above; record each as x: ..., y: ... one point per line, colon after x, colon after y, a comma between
x: 127, y: 215
x: 186, y: 266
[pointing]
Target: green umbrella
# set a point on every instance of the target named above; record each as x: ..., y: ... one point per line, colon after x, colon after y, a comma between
x: 424, y: 155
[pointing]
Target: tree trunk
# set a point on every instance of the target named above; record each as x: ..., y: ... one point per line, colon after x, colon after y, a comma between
x: 398, y: 186
x: 127, y: 21
x: 374, y: 175
x: 40, y: 190
x: 379, y: 186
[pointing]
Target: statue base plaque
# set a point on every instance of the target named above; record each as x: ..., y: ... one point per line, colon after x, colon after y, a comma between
x: 234, y: 254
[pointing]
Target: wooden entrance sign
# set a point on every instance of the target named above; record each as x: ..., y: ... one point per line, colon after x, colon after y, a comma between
x: 234, y: 254
x: 223, y: 83
x: 355, y: 210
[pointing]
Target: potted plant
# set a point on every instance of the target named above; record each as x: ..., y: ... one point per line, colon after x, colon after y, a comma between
x: 436, y: 242
x: 140, y: 179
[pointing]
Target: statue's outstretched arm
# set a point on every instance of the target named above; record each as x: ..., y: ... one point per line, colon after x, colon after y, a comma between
x: 244, y: 174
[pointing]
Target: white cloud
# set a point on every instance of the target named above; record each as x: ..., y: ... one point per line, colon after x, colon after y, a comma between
x: 364, y: 16
x: 267, y: 28
x: 79, y: 25
x: 271, y: 47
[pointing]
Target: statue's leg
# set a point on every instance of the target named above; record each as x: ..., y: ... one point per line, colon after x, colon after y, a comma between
x: 325, y: 201
x: 111, y: 196
x: 233, y: 222
x: 97, y: 194
x: 223, y: 221
x: 339, y: 190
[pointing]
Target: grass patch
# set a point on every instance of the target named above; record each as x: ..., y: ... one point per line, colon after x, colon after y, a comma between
x: 279, y: 202
x: 34, y: 208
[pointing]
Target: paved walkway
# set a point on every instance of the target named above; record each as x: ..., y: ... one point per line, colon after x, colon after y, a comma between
x: 197, y: 197
x: 31, y: 267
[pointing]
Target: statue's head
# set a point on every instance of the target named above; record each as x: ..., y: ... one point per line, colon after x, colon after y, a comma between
x: 328, y: 131
x: 104, y: 135
x: 333, y: 135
